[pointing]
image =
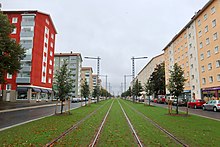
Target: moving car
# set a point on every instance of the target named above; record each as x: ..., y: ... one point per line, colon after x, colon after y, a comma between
x: 196, y: 103
x: 212, y: 105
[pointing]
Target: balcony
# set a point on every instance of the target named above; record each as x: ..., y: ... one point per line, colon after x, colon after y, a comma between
x: 27, y: 23
x: 23, y: 80
x: 26, y: 34
x: 28, y: 57
x: 26, y: 69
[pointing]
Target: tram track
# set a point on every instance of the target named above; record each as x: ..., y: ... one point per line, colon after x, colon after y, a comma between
x: 131, y: 127
x: 73, y: 127
x: 178, y: 141
x: 95, y: 139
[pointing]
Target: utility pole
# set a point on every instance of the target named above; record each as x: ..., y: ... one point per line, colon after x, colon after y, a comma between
x: 133, y: 74
x: 98, y: 66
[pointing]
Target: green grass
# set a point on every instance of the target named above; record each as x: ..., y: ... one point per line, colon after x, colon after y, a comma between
x: 116, y: 131
x: 193, y: 130
x: 83, y: 135
x: 149, y: 135
x: 40, y: 132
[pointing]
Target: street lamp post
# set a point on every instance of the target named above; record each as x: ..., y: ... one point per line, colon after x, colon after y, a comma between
x: 133, y: 73
x: 98, y: 66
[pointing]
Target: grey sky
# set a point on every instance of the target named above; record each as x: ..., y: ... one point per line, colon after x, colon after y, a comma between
x: 115, y: 30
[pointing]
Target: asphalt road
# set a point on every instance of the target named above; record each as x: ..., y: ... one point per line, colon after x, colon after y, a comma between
x: 209, y: 114
x: 20, y: 116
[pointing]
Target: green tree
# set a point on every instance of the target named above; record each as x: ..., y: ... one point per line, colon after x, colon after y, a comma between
x: 85, y: 90
x: 137, y: 88
x: 176, y: 82
x: 148, y: 87
x: 95, y: 92
x: 63, y: 82
x: 10, y: 52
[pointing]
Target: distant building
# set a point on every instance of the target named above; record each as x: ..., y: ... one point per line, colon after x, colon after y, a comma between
x: 36, y: 32
x: 86, y: 74
x: 74, y: 61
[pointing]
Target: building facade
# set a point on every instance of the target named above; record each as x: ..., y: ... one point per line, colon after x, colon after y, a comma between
x: 86, y: 74
x: 74, y: 61
x: 35, y: 32
x: 196, y: 49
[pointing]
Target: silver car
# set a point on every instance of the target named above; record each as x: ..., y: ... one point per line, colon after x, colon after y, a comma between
x: 212, y: 105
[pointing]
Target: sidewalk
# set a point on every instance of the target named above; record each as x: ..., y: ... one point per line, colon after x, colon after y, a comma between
x: 17, y: 105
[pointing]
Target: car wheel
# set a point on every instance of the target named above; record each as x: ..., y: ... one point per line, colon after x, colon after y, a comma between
x: 195, y: 107
x: 203, y: 108
x: 214, y: 109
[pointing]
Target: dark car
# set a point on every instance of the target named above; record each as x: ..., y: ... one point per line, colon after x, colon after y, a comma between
x: 196, y: 103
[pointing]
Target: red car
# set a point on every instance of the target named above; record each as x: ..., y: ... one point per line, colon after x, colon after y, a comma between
x: 196, y: 104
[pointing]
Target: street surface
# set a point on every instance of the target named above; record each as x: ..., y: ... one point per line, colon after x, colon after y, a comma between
x: 210, y: 114
x: 20, y: 116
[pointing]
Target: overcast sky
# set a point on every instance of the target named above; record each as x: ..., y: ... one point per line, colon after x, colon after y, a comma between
x: 115, y: 30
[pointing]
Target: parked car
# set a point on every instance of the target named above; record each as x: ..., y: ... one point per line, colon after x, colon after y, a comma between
x: 181, y: 102
x: 196, y: 103
x: 169, y: 98
x: 212, y: 105
x: 75, y: 100
x: 161, y: 99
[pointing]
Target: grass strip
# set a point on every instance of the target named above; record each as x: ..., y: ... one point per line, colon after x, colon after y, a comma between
x: 116, y: 131
x: 40, y: 132
x: 149, y: 135
x: 83, y: 135
x: 193, y: 130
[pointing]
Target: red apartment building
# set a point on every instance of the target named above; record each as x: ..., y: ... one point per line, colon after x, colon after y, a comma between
x: 36, y: 32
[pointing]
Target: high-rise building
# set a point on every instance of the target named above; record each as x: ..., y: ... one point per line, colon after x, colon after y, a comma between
x: 74, y: 61
x: 86, y: 74
x: 35, y: 32
x: 196, y: 49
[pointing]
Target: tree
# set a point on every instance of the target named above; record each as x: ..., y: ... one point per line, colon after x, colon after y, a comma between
x: 137, y: 88
x: 63, y: 82
x: 95, y: 92
x: 10, y: 51
x: 148, y: 87
x: 176, y: 82
x: 85, y: 90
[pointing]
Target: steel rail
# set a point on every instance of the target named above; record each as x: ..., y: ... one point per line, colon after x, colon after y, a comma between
x: 101, y: 127
x: 131, y: 126
x: 73, y: 127
x: 159, y: 127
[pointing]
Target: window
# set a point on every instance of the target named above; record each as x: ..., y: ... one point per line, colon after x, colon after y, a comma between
x: 8, y: 87
x: 209, y: 66
x: 200, y: 33
x: 190, y: 45
x: 210, y: 79
x: 215, y: 36
x: 51, y: 44
x: 218, y: 77
x: 205, y: 16
x: 49, y: 80
x: 200, y: 45
x: 51, y: 53
x: 206, y: 29
x: 203, y: 68
x: 189, y: 35
x: 207, y: 41
x: 214, y: 23
x: 192, y: 77
x: 50, y: 62
x: 14, y: 20
x: 212, y: 10
x: 191, y: 65
x: 9, y: 76
x: 217, y: 63
x: 199, y: 22
x: 202, y: 56
x: 191, y: 56
x: 216, y: 49
x: 193, y: 87
x: 208, y: 53
x: 14, y: 31
x: 52, y: 36
x: 50, y: 71
x: 203, y: 81
x: 44, y: 69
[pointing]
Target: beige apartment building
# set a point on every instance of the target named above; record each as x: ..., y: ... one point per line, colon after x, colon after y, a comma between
x: 146, y: 72
x: 196, y: 49
x: 86, y: 74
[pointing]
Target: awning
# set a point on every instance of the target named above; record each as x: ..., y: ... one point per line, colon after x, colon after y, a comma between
x: 36, y: 90
x: 44, y: 90
x: 22, y: 89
